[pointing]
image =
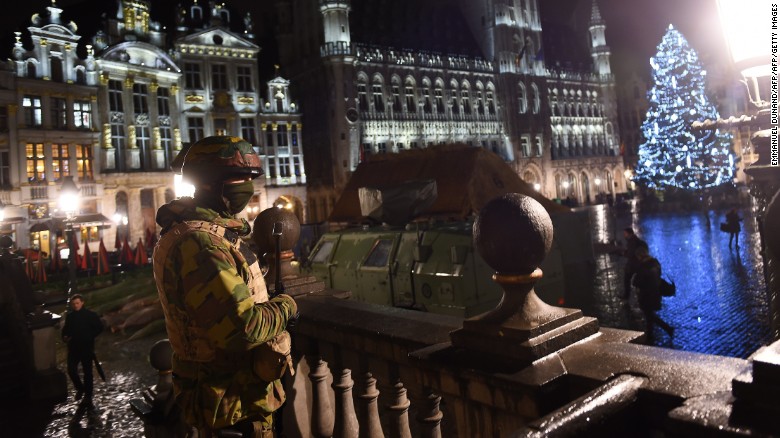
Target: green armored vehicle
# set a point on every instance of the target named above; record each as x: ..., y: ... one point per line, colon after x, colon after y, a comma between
x: 406, y: 234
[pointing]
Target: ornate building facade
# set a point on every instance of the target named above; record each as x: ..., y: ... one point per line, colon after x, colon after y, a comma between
x: 378, y: 77
x: 116, y: 119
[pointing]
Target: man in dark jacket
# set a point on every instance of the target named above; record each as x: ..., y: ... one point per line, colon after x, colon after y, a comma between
x: 647, y: 279
x: 80, y: 330
x: 633, y: 242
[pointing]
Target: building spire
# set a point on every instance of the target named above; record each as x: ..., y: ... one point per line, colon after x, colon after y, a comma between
x: 595, y: 14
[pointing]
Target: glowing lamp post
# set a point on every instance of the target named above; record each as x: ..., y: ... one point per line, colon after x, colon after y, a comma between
x: 747, y: 26
x: 69, y: 203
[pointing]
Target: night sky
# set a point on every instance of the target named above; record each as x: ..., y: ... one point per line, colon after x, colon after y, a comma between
x: 634, y: 27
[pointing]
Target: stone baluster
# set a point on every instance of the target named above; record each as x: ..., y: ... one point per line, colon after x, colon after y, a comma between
x: 429, y: 417
x: 346, y: 420
x: 399, y: 412
x: 322, y: 413
x: 369, y: 410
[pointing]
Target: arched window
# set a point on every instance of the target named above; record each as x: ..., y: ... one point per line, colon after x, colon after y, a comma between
x: 377, y: 95
x: 522, y: 99
x: 465, y: 97
x: 537, y: 98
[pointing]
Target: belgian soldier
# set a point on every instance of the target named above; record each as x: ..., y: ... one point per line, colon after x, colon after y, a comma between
x: 230, y: 346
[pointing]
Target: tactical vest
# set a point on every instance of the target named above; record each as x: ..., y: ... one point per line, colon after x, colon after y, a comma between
x: 269, y: 360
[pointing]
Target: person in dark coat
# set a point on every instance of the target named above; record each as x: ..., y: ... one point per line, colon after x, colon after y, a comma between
x: 647, y: 280
x: 81, y: 328
x: 633, y: 242
x: 732, y: 224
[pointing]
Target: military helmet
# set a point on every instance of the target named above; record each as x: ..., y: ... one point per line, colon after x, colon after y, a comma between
x: 219, y: 158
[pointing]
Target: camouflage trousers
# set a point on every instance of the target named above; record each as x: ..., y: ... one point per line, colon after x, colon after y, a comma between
x: 242, y: 429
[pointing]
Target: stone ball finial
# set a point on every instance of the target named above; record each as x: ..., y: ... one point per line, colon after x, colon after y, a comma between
x: 161, y: 355
x: 772, y: 232
x: 262, y: 230
x: 513, y: 233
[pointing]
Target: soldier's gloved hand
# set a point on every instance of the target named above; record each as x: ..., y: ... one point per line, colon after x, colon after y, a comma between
x: 292, y: 322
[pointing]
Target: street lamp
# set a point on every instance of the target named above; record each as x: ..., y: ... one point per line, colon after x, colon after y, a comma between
x: 69, y: 203
x: 750, y: 45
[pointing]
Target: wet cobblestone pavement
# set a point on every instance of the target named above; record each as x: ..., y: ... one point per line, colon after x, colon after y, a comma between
x: 720, y: 308
x: 127, y: 373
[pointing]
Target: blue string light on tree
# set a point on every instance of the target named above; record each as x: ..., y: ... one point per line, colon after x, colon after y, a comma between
x: 673, y: 155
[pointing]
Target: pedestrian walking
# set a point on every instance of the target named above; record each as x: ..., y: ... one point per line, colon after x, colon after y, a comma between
x: 633, y: 242
x: 733, y: 227
x: 230, y: 344
x: 81, y: 328
x: 647, y: 280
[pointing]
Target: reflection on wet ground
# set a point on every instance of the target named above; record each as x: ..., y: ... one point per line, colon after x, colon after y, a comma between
x: 721, y: 304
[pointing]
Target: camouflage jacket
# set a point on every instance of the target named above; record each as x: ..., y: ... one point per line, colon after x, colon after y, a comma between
x: 203, y: 285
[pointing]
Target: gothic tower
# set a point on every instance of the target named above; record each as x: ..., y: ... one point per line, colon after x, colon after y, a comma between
x: 338, y: 57
x: 599, y: 50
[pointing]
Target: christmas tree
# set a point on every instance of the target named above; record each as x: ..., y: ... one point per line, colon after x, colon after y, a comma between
x: 673, y: 155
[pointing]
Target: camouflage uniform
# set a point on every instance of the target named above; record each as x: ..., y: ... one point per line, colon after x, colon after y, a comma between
x: 210, y: 309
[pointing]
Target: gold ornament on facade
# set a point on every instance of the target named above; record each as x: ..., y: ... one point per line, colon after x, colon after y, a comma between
x: 174, y: 89
x: 156, y: 139
x: 274, y: 126
x: 131, y: 138
x: 153, y: 86
x: 177, y: 139
x: 194, y: 98
x: 43, y: 42
x: 107, y: 136
x: 129, y: 81
x: 67, y: 47
x: 104, y: 78
x: 246, y: 100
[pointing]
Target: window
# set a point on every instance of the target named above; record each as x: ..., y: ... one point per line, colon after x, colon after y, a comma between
x: 379, y: 254
x: 439, y: 96
x: 537, y: 98
x: 219, y: 77
x: 297, y: 166
x: 427, y: 106
x: 115, y: 96
x: 5, y: 170
x: 192, y: 75
x: 362, y: 99
x: 248, y: 130
x: 538, y: 146
x: 480, y: 103
x: 522, y: 99
x: 281, y: 134
x: 525, y: 147
x: 271, y: 167
x: 454, y: 101
x: 84, y: 162
x: 269, y: 136
x: 60, y: 160
x: 195, y: 128
x: 411, y: 107
x: 294, y: 135
x: 244, y: 78
x: 3, y: 119
x: 381, y: 148
x: 284, y: 167
x: 118, y: 139
x: 379, y: 103
x: 143, y: 141
x: 464, y: 99
x: 33, y: 113
x: 82, y: 114
x: 163, y: 102
x: 490, y: 103
x: 36, y: 171
x: 140, y: 102
x: 166, y: 139
x: 396, y: 98
x: 322, y: 252
x: 59, y: 113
